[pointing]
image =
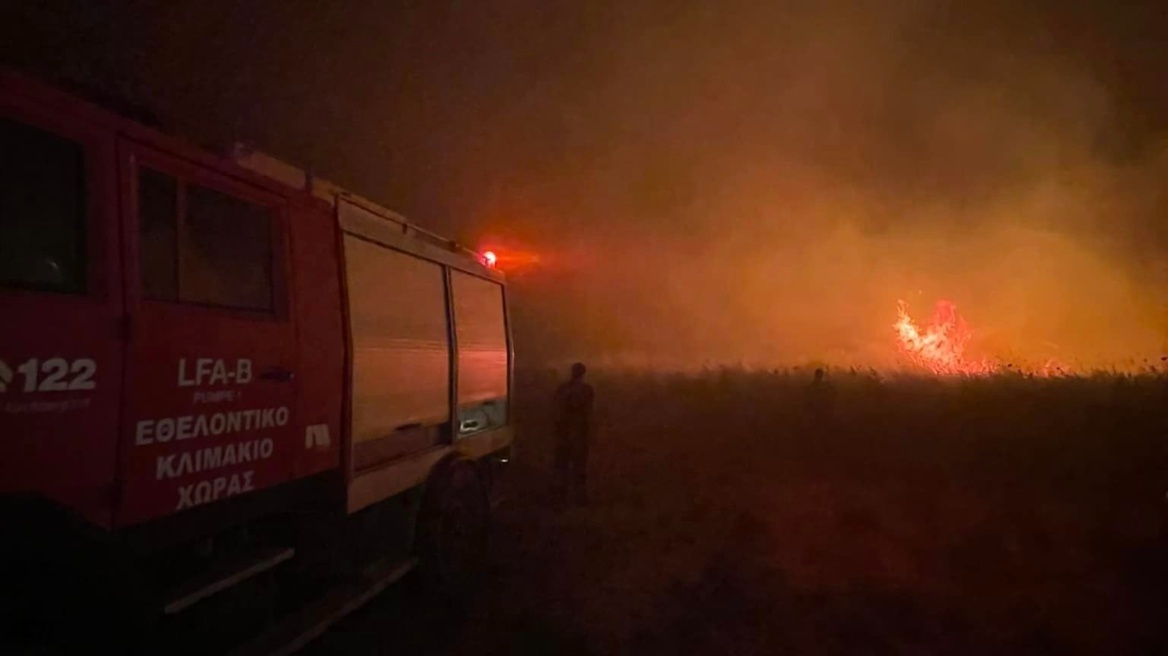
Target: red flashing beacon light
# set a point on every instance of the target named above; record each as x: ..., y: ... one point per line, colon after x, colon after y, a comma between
x: 490, y: 259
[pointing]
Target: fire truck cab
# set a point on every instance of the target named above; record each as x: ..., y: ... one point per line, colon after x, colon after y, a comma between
x: 217, y: 371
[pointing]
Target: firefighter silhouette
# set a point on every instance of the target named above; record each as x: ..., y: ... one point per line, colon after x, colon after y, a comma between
x: 820, y: 403
x: 574, y: 400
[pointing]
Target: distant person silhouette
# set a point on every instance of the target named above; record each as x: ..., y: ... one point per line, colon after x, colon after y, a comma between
x: 573, y: 424
x: 820, y: 403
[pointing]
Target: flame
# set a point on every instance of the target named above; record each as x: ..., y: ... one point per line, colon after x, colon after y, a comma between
x: 940, y: 346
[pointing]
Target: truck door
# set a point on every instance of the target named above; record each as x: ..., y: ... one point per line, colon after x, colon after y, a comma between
x: 60, y: 307
x: 211, y: 358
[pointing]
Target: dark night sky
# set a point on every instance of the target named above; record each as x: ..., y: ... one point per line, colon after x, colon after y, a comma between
x: 732, y: 180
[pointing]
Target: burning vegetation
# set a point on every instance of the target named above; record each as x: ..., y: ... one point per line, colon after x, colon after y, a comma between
x: 938, y: 347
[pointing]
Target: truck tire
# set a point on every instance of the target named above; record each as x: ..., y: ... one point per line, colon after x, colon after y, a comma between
x: 65, y: 586
x: 452, y: 528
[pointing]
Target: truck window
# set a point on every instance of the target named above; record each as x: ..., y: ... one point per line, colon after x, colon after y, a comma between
x: 157, y: 207
x: 42, y: 210
x: 221, y: 254
x: 226, y: 251
x: 401, y: 342
x: 481, y: 330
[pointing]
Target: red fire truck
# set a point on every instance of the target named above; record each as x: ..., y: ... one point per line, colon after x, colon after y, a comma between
x: 225, y: 384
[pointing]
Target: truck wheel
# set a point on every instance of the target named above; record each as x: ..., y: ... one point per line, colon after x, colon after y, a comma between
x: 452, y: 530
x: 64, y: 586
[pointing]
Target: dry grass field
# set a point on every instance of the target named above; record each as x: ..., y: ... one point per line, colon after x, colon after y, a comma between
x: 961, y: 516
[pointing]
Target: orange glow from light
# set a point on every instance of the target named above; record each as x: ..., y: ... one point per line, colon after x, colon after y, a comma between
x: 505, y: 258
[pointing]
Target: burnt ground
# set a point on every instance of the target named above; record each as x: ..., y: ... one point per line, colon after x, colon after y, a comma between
x: 1002, y: 516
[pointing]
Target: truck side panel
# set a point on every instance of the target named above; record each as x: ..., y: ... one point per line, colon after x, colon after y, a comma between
x: 400, y: 387
x: 320, y: 337
x: 481, y: 326
x: 426, y: 333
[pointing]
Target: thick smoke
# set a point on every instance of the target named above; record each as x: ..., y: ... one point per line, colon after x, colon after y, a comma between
x: 771, y: 185
x: 684, y: 182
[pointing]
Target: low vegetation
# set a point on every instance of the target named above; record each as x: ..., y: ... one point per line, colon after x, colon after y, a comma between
x: 1004, y: 514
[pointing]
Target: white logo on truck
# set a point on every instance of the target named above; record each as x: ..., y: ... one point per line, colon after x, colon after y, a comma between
x: 213, y: 371
x: 316, y: 435
x: 52, y: 375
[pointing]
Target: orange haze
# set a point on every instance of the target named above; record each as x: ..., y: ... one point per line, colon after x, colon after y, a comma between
x: 676, y: 183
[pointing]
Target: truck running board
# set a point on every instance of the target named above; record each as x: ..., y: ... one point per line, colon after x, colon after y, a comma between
x: 220, y: 578
x: 308, y: 624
